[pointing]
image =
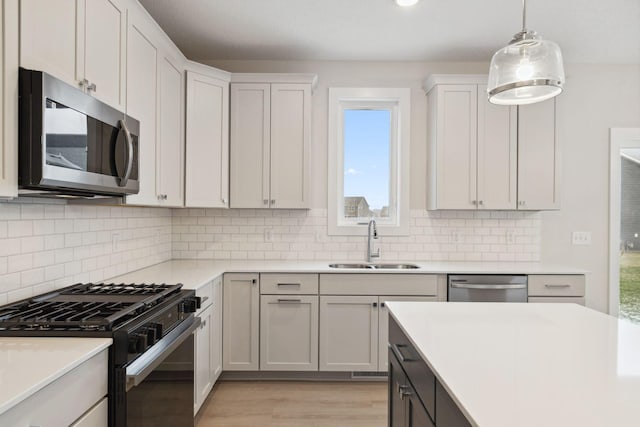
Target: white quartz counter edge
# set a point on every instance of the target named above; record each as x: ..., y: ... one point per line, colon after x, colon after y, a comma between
x: 28, y: 364
x: 195, y: 273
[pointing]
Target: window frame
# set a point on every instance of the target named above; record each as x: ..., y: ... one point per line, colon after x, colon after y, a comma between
x: 397, y: 100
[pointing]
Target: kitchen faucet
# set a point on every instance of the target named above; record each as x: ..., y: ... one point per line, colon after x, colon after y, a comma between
x: 372, y: 231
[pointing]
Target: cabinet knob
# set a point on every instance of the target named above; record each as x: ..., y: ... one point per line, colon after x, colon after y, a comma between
x: 273, y: 201
x: 224, y: 201
x: 265, y: 201
x: 83, y: 83
x: 474, y: 202
x: 375, y: 304
x: 92, y: 87
x: 481, y: 202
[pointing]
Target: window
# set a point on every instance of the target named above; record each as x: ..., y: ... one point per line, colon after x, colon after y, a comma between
x: 368, y: 160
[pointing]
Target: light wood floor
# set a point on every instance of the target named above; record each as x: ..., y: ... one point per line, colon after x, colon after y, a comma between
x: 295, y: 403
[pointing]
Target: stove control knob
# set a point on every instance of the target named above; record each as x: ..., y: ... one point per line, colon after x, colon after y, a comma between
x: 137, y: 343
x: 151, y: 335
x: 190, y: 305
x: 158, y: 328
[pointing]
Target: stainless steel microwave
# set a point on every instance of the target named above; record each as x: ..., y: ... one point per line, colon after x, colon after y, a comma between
x: 72, y: 144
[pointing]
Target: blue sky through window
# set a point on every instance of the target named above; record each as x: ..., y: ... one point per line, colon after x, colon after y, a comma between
x: 366, y: 155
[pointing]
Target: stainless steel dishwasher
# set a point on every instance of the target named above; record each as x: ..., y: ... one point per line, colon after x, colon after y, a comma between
x: 487, y: 288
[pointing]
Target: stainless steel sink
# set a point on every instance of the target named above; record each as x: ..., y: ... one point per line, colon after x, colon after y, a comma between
x: 385, y: 266
x: 354, y: 265
x: 394, y: 266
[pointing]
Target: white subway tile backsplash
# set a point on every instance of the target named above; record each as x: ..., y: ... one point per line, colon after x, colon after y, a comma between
x: 302, y: 235
x: 47, y: 244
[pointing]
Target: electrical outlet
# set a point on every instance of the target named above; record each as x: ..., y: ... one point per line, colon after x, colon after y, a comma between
x: 116, y: 243
x: 581, y: 238
x: 511, y: 236
x: 455, y: 236
x: 268, y: 235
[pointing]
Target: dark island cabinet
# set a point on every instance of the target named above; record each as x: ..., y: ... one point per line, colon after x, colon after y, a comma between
x: 416, y: 397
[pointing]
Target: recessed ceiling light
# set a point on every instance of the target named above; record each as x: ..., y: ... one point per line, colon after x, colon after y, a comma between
x: 406, y: 3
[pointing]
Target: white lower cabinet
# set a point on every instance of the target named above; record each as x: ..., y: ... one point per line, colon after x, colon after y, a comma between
x: 354, y: 318
x: 348, y: 333
x: 204, y: 349
x: 208, y: 341
x: 556, y: 288
x: 241, y: 322
x: 383, y: 326
x: 70, y: 399
x: 288, y: 332
x: 98, y: 416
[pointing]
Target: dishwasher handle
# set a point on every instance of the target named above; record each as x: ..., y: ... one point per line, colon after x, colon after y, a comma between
x: 487, y: 286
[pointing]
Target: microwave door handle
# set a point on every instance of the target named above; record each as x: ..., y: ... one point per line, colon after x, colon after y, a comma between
x: 127, y: 173
x: 487, y: 286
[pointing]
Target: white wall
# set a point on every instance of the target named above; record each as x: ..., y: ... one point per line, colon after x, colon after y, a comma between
x: 46, y: 245
x: 596, y: 98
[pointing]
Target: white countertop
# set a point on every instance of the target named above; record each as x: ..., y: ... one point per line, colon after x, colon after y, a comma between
x: 29, y: 364
x: 195, y: 273
x: 526, y: 365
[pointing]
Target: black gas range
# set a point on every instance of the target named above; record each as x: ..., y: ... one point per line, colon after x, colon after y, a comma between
x: 151, y: 326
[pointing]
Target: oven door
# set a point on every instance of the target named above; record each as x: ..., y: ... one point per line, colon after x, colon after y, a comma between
x: 160, y: 383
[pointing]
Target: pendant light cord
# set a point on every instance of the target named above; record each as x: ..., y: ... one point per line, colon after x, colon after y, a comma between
x: 524, y: 16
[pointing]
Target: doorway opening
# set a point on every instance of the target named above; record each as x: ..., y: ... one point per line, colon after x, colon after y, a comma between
x: 624, y: 224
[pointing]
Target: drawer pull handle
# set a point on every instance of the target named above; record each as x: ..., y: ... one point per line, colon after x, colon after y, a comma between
x: 485, y: 286
x: 289, y: 300
x: 557, y: 286
x: 244, y: 280
x: 289, y: 284
x: 396, y: 350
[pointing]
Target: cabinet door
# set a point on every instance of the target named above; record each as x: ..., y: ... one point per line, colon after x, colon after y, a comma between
x: 290, y: 145
x: 397, y: 381
x: 170, y: 160
x: 9, y: 17
x: 240, y: 322
x: 216, y: 331
x: 250, y: 145
x: 455, y: 151
x: 203, y: 369
x: 289, y: 333
x: 48, y: 37
x: 497, y: 154
x: 141, y: 105
x: 207, y: 162
x: 102, y: 47
x: 348, y: 333
x: 383, y: 327
x: 538, y: 157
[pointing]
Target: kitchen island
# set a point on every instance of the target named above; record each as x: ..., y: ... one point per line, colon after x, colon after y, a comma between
x: 514, y: 365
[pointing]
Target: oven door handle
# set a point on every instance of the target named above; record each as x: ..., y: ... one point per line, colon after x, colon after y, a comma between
x: 149, y: 360
x: 486, y: 286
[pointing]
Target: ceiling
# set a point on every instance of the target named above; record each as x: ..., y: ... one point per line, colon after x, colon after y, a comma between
x: 588, y: 31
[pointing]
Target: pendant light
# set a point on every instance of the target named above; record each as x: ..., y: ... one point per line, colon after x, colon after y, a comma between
x: 527, y: 70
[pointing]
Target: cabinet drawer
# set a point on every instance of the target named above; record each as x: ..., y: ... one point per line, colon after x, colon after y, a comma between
x: 567, y: 285
x: 288, y: 283
x: 64, y: 400
x: 379, y: 284
x: 98, y: 416
x: 419, y: 374
x: 575, y: 300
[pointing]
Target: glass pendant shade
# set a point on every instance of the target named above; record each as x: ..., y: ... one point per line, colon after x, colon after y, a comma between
x: 526, y: 71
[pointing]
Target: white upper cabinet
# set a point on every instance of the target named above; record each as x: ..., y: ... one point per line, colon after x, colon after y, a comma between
x: 170, y: 153
x: 9, y: 99
x: 142, y: 77
x: 538, y: 157
x: 155, y: 97
x: 270, y: 140
x: 207, y: 140
x: 485, y: 156
x: 472, y: 147
x: 102, y: 50
x: 79, y: 41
